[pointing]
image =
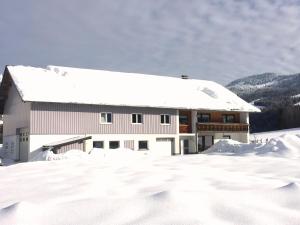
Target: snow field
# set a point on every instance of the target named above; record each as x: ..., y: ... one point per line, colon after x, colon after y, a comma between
x: 222, y: 186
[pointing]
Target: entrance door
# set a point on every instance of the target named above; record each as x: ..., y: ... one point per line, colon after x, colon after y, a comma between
x: 24, y: 144
x: 184, y: 144
x: 204, y: 142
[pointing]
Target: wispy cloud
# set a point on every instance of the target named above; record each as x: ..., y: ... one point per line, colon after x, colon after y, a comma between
x: 207, y: 39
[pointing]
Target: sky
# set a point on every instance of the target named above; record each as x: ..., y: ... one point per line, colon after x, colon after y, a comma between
x: 205, y: 39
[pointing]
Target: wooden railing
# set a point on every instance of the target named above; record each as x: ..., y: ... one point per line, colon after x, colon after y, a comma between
x: 232, y: 127
x: 185, y: 128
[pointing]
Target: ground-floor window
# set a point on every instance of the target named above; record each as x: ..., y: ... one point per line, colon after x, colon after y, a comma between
x: 114, y: 144
x: 143, y: 145
x: 226, y: 137
x: 98, y: 144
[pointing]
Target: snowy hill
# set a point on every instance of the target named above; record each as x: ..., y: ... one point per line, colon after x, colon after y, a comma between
x: 265, y: 89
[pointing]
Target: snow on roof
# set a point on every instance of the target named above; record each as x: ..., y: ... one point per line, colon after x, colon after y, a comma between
x: 86, y: 86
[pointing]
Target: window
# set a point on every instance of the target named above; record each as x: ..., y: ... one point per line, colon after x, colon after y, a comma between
x: 228, y: 118
x: 137, y: 118
x: 143, y: 145
x: 165, y: 119
x: 98, y: 144
x: 183, y: 119
x: 203, y: 118
x: 226, y: 137
x: 106, y: 117
x: 114, y: 144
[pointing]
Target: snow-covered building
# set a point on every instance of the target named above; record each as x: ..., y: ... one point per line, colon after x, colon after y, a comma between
x: 63, y: 108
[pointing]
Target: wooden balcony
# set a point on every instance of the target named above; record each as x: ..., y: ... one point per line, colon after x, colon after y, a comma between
x: 227, y: 127
x: 183, y: 128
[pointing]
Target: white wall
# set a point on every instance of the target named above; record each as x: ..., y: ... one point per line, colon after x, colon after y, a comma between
x: 241, y: 137
x: 10, y: 148
x: 37, y: 141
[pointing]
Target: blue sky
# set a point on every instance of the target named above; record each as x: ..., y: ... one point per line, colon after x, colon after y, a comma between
x: 206, y: 39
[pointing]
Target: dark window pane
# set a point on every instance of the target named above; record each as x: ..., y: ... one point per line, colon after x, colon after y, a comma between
x: 98, y: 144
x: 203, y: 118
x: 114, y: 144
x: 162, y: 119
x: 133, y: 118
x: 228, y: 118
x: 139, y: 118
x: 183, y: 119
x: 143, y: 144
x: 167, y: 119
x: 109, y: 118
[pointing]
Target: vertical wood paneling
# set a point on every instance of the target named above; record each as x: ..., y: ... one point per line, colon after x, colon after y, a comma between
x: 129, y: 144
x: 64, y: 149
x: 56, y: 118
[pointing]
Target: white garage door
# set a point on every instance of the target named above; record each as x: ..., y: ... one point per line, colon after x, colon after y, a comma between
x: 163, y: 146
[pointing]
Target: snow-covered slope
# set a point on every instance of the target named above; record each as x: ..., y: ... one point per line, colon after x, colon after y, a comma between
x: 211, y: 188
x: 266, y: 86
x: 73, y: 85
x: 263, y: 136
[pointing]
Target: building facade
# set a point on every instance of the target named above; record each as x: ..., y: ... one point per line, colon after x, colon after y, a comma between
x: 30, y: 125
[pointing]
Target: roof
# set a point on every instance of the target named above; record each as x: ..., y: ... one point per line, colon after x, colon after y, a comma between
x: 99, y: 87
x: 58, y: 144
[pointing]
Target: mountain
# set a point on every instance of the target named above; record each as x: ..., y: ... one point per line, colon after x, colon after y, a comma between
x: 278, y: 96
x: 268, y: 89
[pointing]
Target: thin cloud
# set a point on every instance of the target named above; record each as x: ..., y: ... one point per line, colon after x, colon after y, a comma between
x: 218, y: 40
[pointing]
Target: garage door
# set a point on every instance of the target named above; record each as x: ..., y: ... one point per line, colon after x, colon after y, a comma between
x: 163, y: 146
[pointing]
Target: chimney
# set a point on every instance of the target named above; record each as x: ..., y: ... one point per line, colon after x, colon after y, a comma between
x: 185, y: 77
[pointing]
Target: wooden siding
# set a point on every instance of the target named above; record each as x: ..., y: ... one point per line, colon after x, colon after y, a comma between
x: 129, y: 144
x: 56, y: 118
x: 63, y: 149
x: 16, y: 113
x: 217, y: 117
x: 186, y: 128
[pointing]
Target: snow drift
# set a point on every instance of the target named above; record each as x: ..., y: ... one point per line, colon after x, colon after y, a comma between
x: 210, y: 188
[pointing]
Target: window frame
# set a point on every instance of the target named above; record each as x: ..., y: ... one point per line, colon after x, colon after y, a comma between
x: 113, y: 141
x: 201, y: 115
x: 99, y: 141
x: 137, y: 118
x: 226, y: 137
x: 143, y: 149
x: 106, y: 113
x: 163, y: 117
x: 226, y: 118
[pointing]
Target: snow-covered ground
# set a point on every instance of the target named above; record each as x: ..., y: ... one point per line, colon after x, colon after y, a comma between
x: 266, y: 136
x: 231, y: 183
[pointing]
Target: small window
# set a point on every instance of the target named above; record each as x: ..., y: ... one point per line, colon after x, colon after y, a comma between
x: 106, y: 117
x: 114, y: 144
x: 203, y: 118
x: 137, y: 118
x: 165, y: 119
x: 228, y: 118
x: 226, y: 137
x: 98, y: 144
x: 143, y: 145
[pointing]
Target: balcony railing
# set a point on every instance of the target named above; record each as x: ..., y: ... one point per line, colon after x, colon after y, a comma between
x: 185, y: 128
x: 228, y: 127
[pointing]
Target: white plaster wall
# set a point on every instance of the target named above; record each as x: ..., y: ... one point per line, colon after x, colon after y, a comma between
x: 241, y: 137
x: 37, y: 141
x: 244, y: 117
x: 10, y: 148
